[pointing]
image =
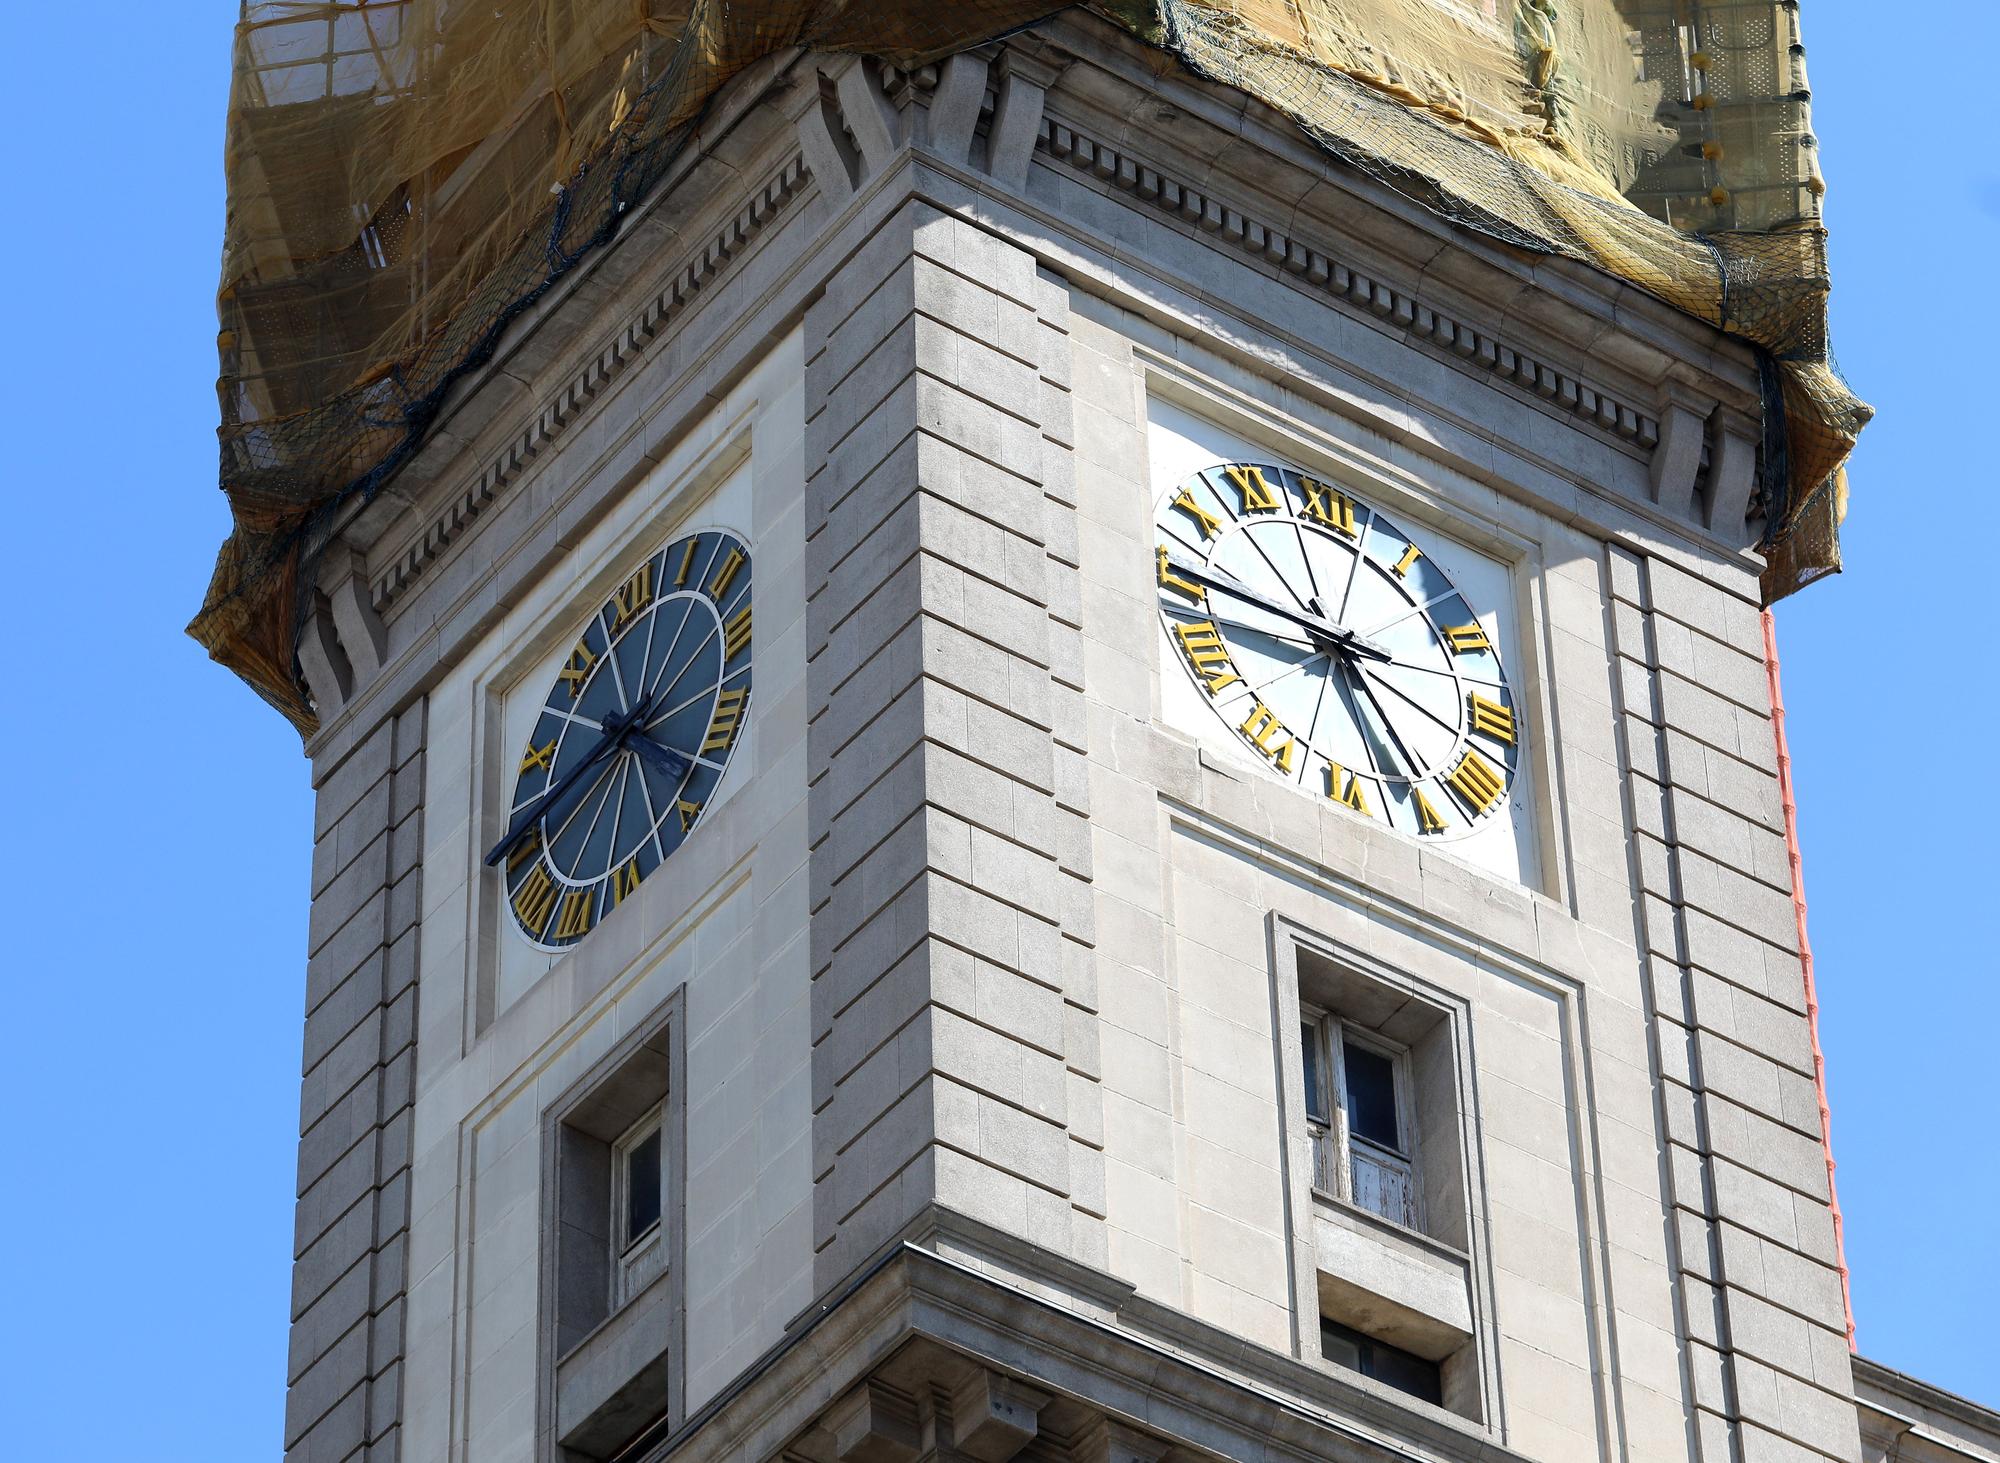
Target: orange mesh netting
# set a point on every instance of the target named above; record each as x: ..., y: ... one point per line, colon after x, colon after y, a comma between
x: 407, y: 176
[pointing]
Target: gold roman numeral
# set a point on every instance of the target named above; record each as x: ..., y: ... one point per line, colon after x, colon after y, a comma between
x: 719, y: 586
x: 527, y: 848
x: 1329, y: 506
x: 1465, y: 639
x: 1262, y: 727
x: 1173, y: 581
x: 1257, y: 494
x: 722, y: 728
x: 1402, y: 566
x: 1429, y: 820
x: 1210, y: 524
x: 1353, y: 795
x: 689, y: 812
x: 632, y: 596
x: 540, y: 757
x: 687, y: 563
x: 624, y: 881
x: 535, y: 899
x: 1207, y: 654
x: 576, y: 670
x: 575, y: 917
x: 1491, y: 717
x: 1476, y: 781
x: 736, y: 634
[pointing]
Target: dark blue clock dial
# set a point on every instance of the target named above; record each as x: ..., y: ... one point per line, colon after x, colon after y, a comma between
x: 632, y: 740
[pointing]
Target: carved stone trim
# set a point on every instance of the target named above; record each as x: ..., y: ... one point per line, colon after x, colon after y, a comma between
x: 694, y: 276
x: 1479, y: 350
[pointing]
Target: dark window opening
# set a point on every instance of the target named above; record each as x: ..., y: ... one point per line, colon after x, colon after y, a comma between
x: 642, y: 1187
x: 1371, y: 1095
x: 1316, y: 1108
x: 1382, y: 1362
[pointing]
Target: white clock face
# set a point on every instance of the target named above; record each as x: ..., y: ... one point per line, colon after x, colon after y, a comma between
x: 1335, y: 649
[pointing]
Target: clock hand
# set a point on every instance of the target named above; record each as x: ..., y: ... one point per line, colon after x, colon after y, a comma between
x: 1404, y: 696
x: 1229, y: 584
x: 1361, y: 683
x: 1308, y: 640
x: 617, y: 729
x: 673, y: 763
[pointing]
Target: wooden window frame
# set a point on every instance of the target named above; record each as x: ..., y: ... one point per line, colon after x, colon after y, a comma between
x: 1334, y: 1144
x: 637, y: 1260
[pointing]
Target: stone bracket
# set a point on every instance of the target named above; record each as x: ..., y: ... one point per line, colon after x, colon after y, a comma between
x: 874, y: 1423
x: 994, y: 1417
x: 1107, y: 1440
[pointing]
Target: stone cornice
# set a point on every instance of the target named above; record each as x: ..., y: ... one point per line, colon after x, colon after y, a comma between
x: 701, y: 269
x: 1481, y: 351
x: 862, y: 1375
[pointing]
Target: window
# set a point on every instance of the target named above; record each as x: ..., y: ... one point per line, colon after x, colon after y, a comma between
x: 638, y: 1176
x: 1379, y: 1166
x: 612, y: 1296
x: 1387, y: 1364
x: 1358, y: 1111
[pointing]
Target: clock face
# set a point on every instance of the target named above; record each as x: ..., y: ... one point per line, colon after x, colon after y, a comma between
x: 1335, y: 649
x: 632, y: 739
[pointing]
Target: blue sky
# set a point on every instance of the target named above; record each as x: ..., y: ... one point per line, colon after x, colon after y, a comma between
x: 160, y: 818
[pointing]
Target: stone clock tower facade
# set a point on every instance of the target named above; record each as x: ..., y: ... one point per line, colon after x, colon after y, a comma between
x: 1039, y: 780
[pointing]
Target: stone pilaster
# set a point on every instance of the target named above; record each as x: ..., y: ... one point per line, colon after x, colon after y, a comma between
x: 351, y: 1268
x: 1768, y: 1367
x: 945, y: 716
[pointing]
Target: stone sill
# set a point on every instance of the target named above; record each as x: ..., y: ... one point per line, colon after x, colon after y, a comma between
x: 1392, y: 1283
x: 610, y: 1385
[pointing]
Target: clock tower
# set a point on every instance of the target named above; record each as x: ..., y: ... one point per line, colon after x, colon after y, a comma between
x: 1233, y: 900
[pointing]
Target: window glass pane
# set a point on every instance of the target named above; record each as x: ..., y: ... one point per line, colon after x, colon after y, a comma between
x: 1339, y: 1345
x: 642, y: 1186
x: 1406, y: 1373
x: 1371, y: 1095
x: 1385, y: 1363
x: 1315, y: 1086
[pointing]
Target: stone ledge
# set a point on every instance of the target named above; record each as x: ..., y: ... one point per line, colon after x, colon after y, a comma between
x: 917, y: 1326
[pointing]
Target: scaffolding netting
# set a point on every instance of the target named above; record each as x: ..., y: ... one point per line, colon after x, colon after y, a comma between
x: 406, y: 177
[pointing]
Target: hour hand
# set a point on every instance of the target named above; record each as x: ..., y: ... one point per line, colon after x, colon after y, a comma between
x: 617, y: 729
x: 1324, y: 631
x: 526, y: 820
x: 666, y: 759
x: 1235, y: 588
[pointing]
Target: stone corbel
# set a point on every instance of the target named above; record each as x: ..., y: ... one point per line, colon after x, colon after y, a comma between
x: 828, y: 151
x: 321, y: 660
x: 344, y: 578
x: 953, y: 116
x: 1732, y: 479
x: 1107, y: 1440
x: 874, y: 1423
x: 1023, y: 85
x: 993, y: 1417
x: 846, y: 128
x: 870, y: 119
x: 1677, y: 459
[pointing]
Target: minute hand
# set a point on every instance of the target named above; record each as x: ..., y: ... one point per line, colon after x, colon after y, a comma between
x: 528, y: 816
x: 1326, y: 629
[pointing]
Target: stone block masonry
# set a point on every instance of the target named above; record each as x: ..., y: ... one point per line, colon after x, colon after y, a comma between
x: 351, y: 1270
x: 1754, y: 1243
x: 951, y: 927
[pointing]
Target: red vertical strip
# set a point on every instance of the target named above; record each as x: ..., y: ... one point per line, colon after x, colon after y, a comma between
x: 1806, y: 959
